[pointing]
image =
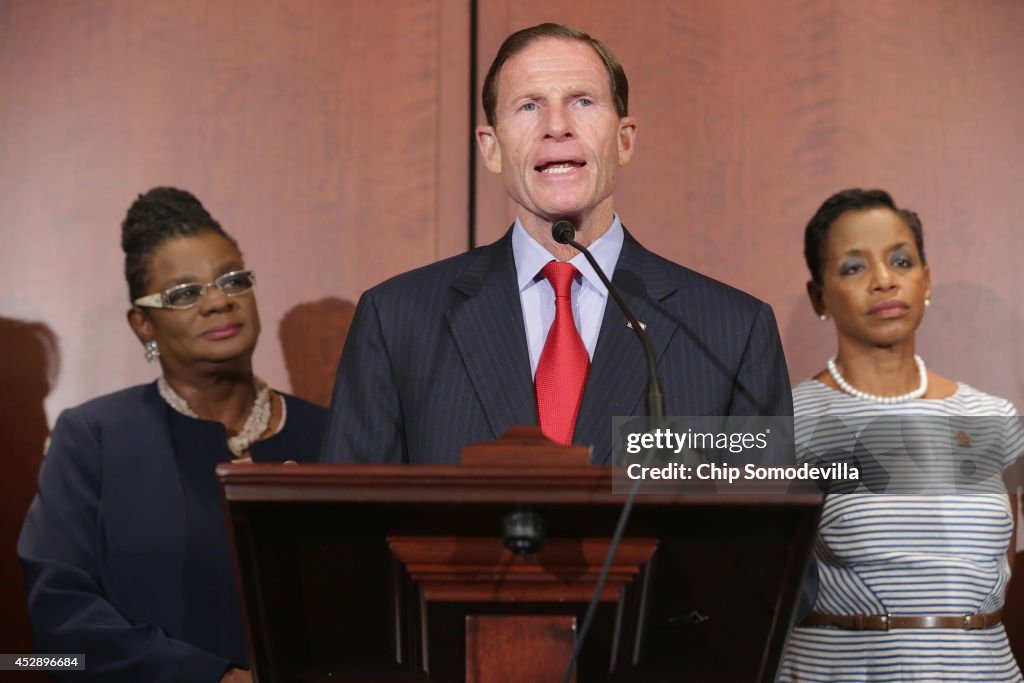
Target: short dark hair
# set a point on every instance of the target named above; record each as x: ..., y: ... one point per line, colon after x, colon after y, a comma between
x: 855, y: 199
x: 522, y: 39
x: 153, y: 218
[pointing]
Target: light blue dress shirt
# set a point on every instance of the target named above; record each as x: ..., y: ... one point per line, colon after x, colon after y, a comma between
x: 589, y: 295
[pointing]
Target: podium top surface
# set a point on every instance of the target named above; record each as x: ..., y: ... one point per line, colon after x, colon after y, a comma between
x: 315, y: 483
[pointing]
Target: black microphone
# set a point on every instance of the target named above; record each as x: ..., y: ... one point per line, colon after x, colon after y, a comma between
x: 564, y: 232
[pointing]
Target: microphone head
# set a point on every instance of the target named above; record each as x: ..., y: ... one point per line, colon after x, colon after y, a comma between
x: 563, y: 231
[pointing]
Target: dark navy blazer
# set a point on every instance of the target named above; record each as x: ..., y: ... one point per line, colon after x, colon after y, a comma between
x: 108, y: 556
x: 437, y: 358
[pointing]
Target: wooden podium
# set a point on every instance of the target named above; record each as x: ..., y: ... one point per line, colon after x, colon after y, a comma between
x: 400, y: 573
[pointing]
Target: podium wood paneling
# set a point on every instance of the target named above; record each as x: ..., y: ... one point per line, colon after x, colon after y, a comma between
x: 310, y: 544
x: 537, y: 643
x: 450, y: 569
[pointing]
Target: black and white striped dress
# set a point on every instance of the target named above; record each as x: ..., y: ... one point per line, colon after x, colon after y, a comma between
x: 908, y: 555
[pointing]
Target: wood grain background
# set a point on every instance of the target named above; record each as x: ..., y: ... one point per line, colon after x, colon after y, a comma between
x: 333, y: 139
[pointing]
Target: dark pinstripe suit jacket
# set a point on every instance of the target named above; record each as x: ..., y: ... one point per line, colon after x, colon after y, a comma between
x: 437, y: 358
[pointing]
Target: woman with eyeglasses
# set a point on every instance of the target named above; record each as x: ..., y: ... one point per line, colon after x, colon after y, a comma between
x: 913, y: 557
x: 125, y: 547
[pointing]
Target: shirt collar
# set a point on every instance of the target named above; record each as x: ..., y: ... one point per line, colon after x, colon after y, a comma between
x: 530, y: 256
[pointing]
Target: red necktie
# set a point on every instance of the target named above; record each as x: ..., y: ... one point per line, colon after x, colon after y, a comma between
x: 564, y: 363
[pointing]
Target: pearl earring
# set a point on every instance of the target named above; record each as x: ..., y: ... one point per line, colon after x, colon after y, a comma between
x: 927, y: 303
x: 823, y: 317
x: 151, y: 350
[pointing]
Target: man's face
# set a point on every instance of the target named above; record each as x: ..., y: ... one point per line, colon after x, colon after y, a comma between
x: 558, y: 141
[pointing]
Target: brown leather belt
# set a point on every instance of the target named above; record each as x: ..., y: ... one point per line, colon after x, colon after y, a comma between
x: 887, y: 622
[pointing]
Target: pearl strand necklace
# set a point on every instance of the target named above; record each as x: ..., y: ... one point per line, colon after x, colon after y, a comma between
x: 255, y: 424
x: 887, y: 400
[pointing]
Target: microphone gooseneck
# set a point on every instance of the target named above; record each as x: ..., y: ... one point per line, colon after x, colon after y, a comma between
x: 564, y: 232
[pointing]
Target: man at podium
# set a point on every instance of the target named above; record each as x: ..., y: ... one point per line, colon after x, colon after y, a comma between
x: 521, y: 331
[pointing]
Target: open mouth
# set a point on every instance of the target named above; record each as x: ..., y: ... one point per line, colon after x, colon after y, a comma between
x: 559, y: 166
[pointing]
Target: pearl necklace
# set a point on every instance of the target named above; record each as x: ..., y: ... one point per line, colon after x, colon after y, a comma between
x: 909, y: 396
x: 255, y: 424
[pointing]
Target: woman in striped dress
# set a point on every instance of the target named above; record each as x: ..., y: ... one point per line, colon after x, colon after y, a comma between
x: 911, y: 584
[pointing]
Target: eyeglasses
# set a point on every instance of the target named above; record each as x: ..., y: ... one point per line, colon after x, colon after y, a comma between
x: 185, y: 296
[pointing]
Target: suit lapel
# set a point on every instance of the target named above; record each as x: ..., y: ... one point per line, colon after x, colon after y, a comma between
x: 145, y: 506
x: 618, y: 374
x: 490, y: 336
x: 148, y: 463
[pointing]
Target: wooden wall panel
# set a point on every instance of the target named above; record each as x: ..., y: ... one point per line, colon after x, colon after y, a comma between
x: 329, y: 137
x: 316, y: 132
x: 752, y: 113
